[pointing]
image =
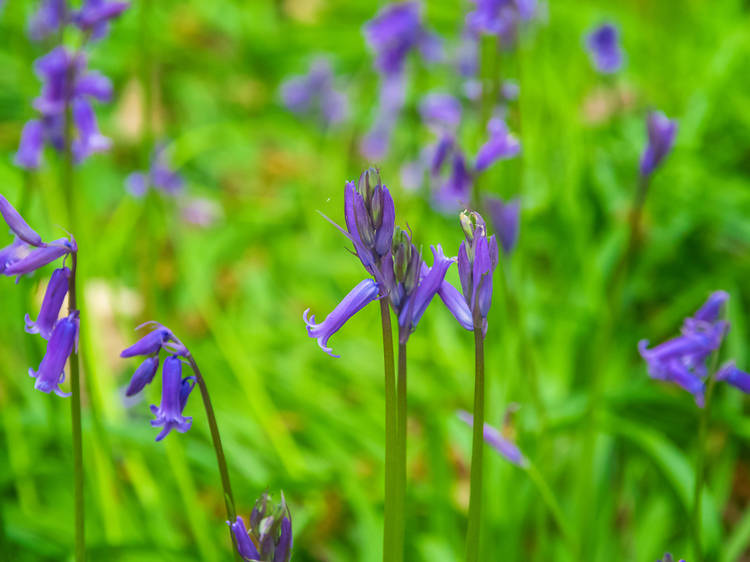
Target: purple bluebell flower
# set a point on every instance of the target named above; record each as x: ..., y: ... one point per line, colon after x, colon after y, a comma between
x: 270, y: 536
x: 455, y: 191
x: 143, y: 375
x: 39, y: 257
x: 395, y: 31
x: 48, y: 19
x: 360, y: 296
x: 159, y: 175
x: 730, y: 373
x: 12, y: 253
x: 153, y: 342
x: 501, y: 145
x: 51, y: 370
x: 174, y: 393
x: 65, y: 81
x: 440, y: 111
x: 506, y: 220
x: 54, y: 296
x: 18, y: 225
x: 661, y: 135
x: 682, y: 360
x: 494, y: 439
x: 314, y: 93
x: 500, y: 17
x: 603, y: 45
x: 477, y: 260
x: 94, y: 16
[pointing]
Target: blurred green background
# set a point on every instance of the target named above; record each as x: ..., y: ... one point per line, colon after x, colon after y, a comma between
x: 205, y: 75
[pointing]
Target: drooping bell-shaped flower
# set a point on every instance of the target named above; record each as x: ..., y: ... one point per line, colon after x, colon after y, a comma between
x: 269, y: 538
x: 661, y: 135
x: 160, y: 175
x: 94, y: 16
x: 143, y: 375
x: 18, y: 225
x: 500, y: 145
x: 360, y: 296
x: 315, y: 94
x: 683, y: 360
x: 603, y: 45
x: 174, y: 393
x: 41, y: 256
x: 12, y: 253
x: 738, y: 378
x: 500, y: 17
x: 494, y: 439
x: 506, y: 220
x: 54, y: 296
x: 152, y: 342
x: 51, y: 370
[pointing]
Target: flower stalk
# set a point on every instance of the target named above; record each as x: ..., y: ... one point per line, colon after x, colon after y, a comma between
x: 389, y: 539
x: 477, y: 448
x: 400, y: 466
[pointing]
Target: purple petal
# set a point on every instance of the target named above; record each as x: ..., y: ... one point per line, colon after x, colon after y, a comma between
x: 734, y: 376
x: 245, y: 546
x: 505, y: 219
x: 54, y: 296
x: 661, y: 135
x: 40, y: 257
x: 495, y: 440
x: 169, y: 414
x: 94, y: 84
x: 18, y: 225
x: 143, y: 375
x: 150, y: 343
x: 51, y: 370
x: 30, y: 148
x: 501, y: 145
x: 456, y: 303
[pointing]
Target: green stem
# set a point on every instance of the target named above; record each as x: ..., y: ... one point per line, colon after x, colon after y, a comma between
x: 400, y: 464
x: 550, y: 501
x: 75, y: 410
x: 389, y: 543
x: 477, y: 449
x: 216, y: 438
x: 700, y: 465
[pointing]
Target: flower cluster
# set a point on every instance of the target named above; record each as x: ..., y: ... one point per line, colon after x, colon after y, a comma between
x: 270, y: 536
x: 175, y: 389
x: 159, y: 175
x: 67, y: 85
x: 315, y: 94
x: 683, y: 360
x: 24, y: 255
x: 603, y: 45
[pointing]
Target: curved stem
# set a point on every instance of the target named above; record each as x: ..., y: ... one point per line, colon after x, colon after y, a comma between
x: 216, y: 438
x: 551, y: 502
x: 400, y: 464
x: 75, y: 411
x: 477, y: 449
x: 390, y: 515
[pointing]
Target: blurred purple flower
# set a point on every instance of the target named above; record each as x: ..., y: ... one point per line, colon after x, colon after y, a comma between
x: 18, y: 225
x: 51, y: 370
x: 661, y: 135
x: 48, y: 19
x: 506, y: 220
x: 270, y: 536
x: 668, y: 558
x: 495, y: 440
x: 455, y: 191
x: 94, y: 16
x: 143, y: 375
x: 360, y: 296
x: 174, y: 394
x: 314, y: 93
x: 734, y: 376
x: 12, y: 253
x: 201, y: 211
x: 500, y: 17
x: 57, y: 289
x: 65, y: 81
x: 501, y: 145
x: 395, y: 31
x: 603, y: 45
x: 682, y: 360
x: 440, y: 112
x: 159, y: 175
x: 375, y: 143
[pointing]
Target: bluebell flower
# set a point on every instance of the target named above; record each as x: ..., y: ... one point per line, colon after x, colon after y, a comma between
x: 315, y: 94
x: 51, y: 370
x: 18, y: 225
x: 52, y: 302
x: 94, y: 16
x: 269, y: 538
x: 494, y: 439
x: 143, y: 375
x: 501, y: 18
x: 477, y: 260
x: 455, y: 191
x: 661, y: 135
x: 156, y: 340
x: 683, y: 360
x: 731, y: 374
x: 39, y: 257
x: 48, y: 19
x: 604, y: 47
x: 440, y: 112
x: 506, y: 220
x: 500, y: 145
x: 360, y: 296
x: 12, y: 253
x: 174, y: 393
x: 159, y: 175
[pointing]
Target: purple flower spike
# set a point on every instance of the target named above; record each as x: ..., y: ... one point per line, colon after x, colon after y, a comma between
x: 495, y: 440
x: 169, y: 413
x: 683, y: 360
x: 506, y: 220
x: 364, y: 293
x: 150, y: 343
x: 29, y: 152
x: 604, y: 47
x: 245, y: 546
x: 661, y: 135
x: 143, y: 375
x: 51, y: 370
x: 18, y: 225
x: 40, y: 257
x: 501, y: 145
x: 51, y: 304
x: 734, y: 376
